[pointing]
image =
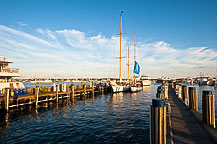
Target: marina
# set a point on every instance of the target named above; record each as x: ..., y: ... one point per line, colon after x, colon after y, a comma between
x: 112, y: 104
x: 179, y: 117
x: 108, y: 72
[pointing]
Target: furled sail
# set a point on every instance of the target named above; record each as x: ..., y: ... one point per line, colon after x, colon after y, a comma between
x: 136, y: 68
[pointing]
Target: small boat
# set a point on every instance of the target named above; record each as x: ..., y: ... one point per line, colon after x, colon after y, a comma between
x: 121, y: 86
x: 146, y: 81
x: 136, y: 87
x: 42, y: 81
x: 6, y: 75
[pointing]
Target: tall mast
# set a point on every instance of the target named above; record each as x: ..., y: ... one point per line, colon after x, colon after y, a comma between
x: 120, y: 42
x: 175, y: 68
x: 128, y: 63
x: 134, y: 47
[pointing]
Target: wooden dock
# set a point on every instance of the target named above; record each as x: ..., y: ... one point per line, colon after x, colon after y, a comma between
x: 185, y: 127
x: 35, y: 96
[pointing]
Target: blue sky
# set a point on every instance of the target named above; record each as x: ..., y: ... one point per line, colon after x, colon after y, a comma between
x: 78, y: 38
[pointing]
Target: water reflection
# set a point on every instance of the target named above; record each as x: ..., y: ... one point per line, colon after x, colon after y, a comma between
x: 146, y: 89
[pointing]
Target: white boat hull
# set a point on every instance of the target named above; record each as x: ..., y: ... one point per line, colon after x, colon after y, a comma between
x: 135, y: 89
x: 46, y: 81
x: 146, y: 82
x: 120, y: 88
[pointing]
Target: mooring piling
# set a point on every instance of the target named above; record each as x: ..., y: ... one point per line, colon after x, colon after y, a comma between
x: 57, y: 92
x: 193, y: 102
x: 92, y: 88
x: 7, y: 98
x: 73, y: 90
x: 185, y: 94
x: 158, y: 121
x: 165, y: 88
x: 208, y: 108
x: 160, y: 93
x: 36, y: 94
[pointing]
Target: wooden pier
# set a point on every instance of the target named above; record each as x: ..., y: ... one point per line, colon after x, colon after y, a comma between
x: 35, y: 96
x: 184, y: 124
x: 185, y: 127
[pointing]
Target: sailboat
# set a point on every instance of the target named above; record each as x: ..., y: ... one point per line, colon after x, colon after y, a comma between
x: 120, y: 87
x: 136, y: 81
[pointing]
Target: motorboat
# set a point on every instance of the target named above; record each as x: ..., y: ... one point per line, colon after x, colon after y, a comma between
x: 6, y: 75
x: 146, y: 81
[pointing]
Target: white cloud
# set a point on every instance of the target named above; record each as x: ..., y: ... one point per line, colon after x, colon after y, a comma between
x: 73, y: 53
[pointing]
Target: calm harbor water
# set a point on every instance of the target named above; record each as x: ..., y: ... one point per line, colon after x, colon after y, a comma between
x: 107, y: 118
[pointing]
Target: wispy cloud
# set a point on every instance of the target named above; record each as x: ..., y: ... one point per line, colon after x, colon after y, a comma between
x: 21, y: 23
x: 74, y: 53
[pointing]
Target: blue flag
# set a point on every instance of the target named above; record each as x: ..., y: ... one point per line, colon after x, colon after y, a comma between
x: 136, y: 68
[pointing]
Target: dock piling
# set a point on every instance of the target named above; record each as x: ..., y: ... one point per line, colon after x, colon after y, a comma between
x: 208, y: 108
x: 57, y: 92
x: 85, y: 89
x: 36, y: 94
x: 11, y: 89
x: 158, y: 121
x: 93, y: 88
x: 165, y: 87
x: 185, y: 94
x: 180, y: 92
x: 160, y: 92
x: 73, y: 90
x: 193, y: 102
x: 53, y: 88
x: 7, y: 98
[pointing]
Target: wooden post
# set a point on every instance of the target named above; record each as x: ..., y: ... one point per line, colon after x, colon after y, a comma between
x: 208, y: 108
x: 165, y: 88
x: 73, y: 90
x: 160, y: 94
x: 180, y: 92
x: 93, y: 88
x: 7, y: 98
x: 11, y: 89
x: 98, y: 88
x: 158, y: 121
x: 193, y: 102
x: 57, y: 91
x: 85, y: 90
x: 185, y: 94
x: 36, y: 94
x: 53, y: 87
x: 177, y: 90
x: 102, y: 88
x: 63, y: 87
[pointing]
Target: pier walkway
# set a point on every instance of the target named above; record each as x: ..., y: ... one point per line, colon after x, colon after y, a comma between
x: 185, y: 128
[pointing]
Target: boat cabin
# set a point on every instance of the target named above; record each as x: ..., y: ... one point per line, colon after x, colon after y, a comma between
x: 6, y: 73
